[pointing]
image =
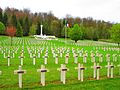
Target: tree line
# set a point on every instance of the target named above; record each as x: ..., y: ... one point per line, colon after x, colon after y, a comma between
x: 28, y: 23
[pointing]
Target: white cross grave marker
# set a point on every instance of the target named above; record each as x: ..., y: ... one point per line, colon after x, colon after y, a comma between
x: 108, y: 57
x: 93, y: 57
x: 66, y: 58
x: 45, y: 58
x: 60, y: 53
x: 75, y: 58
x: 80, y: 69
x: 21, y: 59
x: 30, y: 54
x: 56, y: 59
x: 97, y: 54
x: 84, y: 58
x: 43, y: 70
x: 8, y: 57
x: 96, y: 71
x: 63, y: 70
x: 39, y: 54
x: 110, y: 70
x: 20, y: 72
x: 100, y: 57
x: 34, y: 59
x: 80, y: 53
x: 114, y: 57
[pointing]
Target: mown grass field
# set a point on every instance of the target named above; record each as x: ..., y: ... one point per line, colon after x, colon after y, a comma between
x: 31, y: 80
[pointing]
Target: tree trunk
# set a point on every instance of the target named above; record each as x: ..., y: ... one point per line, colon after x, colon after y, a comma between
x: 75, y: 41
x: 11, y: 41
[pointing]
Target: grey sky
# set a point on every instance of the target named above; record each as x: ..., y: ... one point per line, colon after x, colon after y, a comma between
x: 107, y: 10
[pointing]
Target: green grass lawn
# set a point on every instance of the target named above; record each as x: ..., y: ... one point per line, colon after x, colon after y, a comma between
x: 31, y: 80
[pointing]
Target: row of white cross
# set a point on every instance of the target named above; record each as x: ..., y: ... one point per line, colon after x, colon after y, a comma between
x: 63, y: 69
x: 66, y: 58
x: 60, y: 51
x: 40, y: 50
x: 20, y: 41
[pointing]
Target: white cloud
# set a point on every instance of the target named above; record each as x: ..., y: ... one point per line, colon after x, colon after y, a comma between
x: 107, y: 10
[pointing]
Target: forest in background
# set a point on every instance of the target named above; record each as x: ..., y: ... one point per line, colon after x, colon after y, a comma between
x: 28, y: 23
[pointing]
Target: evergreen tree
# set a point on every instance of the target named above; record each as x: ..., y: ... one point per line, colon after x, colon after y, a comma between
x: 1, y: 16
x: 19, y: 32
x: 14, y: 20
x: 5, y: 19
x: 33, y: 29
x: 26, y: 26
x: 38, y: 28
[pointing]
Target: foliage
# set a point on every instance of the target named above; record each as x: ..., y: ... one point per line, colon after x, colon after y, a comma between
x: 33, y: 29
x: 14, y: 20
x: 26, y: 26
x: 1, y: 15
x: 91, y: 33
x: 115, y: 33
x: 11, y: 31
x: 55, y: 28
x: 5, y: 19
x: 83, y: 31
x: 76, y: 33
x: 2, y: 28
x: 68, y: 32
x: 38, y: 28
x: 95, y: 36
x: 19, y: 32
x: 53, y: 25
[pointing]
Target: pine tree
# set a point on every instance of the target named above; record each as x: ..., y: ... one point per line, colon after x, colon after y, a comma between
x: 38, y: 29
x: 1, y: 16
x: 26, y: 26
x: 5, y: 19
x: 32, y: 30
x: 14, y: 20
x: 19, y: 32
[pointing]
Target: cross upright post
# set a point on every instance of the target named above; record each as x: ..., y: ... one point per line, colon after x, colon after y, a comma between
x: 63, y: 70
x: 43, y: 70
x: 20, y: 72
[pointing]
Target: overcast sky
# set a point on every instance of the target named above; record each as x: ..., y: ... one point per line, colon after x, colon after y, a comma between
x: 108, y: 10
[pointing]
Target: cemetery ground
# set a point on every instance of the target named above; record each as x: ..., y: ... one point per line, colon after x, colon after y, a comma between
x: 30, y: 48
